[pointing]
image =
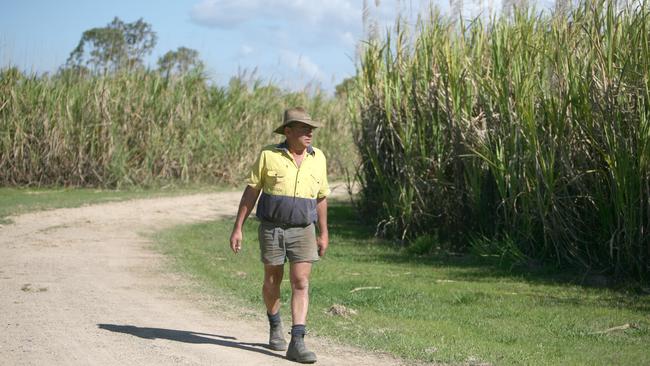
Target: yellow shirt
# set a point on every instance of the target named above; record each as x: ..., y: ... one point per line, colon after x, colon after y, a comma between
x: 289, y: 192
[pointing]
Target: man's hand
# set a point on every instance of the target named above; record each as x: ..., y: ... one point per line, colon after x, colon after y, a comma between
x: 323, y: 242
x: 248, y: 199
x: 235, y: 240
x: 323, y: 234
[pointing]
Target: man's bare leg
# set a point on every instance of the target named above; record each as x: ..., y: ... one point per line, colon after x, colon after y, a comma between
x: 300, y: 273
x: 271, y: 293
x: 271, y: 288
x: 299, y: 305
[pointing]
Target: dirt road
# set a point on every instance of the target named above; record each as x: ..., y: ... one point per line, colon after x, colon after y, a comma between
x: 81, y: 286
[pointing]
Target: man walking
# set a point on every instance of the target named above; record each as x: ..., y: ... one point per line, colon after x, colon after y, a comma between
x: 292, y: 177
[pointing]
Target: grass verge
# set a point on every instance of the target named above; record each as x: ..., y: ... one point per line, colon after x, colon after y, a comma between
x: 429, y: 308
x: 15, y: 201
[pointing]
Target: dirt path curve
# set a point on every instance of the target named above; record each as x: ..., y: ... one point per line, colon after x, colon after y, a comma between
x: 80, y: 286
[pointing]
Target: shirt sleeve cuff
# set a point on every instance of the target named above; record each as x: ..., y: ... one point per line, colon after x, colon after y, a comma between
x: 324, y: 194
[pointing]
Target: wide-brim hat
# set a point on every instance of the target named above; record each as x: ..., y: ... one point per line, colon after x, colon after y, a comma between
x: 296, y: 115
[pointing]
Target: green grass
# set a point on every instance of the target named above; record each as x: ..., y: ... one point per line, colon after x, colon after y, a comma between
x: 14, y: 201
x: 430, y: 308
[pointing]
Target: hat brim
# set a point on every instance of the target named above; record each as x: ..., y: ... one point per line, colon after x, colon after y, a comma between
x: 314, y: 124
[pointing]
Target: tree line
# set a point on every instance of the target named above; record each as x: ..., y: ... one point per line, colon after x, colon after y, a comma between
x: 122, y: 46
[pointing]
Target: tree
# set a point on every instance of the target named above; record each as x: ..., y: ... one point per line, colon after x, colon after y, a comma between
x: 179, y: 62
x: 113, y: 47
x: 344, y: 88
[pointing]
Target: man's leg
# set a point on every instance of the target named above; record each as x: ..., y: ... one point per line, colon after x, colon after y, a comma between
x: 271, y: 293
x: 300, y: 291
x: 297, y: 351
x: 271, y: 288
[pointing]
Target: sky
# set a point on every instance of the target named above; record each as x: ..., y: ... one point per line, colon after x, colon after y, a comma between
x: 293, y: 43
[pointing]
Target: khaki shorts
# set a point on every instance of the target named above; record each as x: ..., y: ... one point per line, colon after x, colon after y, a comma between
x: 279, y: 243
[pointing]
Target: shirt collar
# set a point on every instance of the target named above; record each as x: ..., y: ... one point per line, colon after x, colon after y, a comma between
x: 285, y: 146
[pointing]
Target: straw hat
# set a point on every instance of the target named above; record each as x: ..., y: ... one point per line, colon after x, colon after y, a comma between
x: 297, y: 114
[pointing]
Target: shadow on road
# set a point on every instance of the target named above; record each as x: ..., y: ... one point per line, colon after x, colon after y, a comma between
x: 188, y: 337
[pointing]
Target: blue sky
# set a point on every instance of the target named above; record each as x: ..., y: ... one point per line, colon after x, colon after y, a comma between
x: 292, y: 42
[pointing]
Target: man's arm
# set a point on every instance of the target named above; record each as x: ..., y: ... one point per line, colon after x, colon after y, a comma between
x: 323, y: 234
x: 246, y: 205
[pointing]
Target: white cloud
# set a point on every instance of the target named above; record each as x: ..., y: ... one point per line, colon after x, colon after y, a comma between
x: 297, y: 32
x: 245, y: 50
x: 231, y: 13
x: 221, y: 13
x: 347, y: 39
x: 302, y: 64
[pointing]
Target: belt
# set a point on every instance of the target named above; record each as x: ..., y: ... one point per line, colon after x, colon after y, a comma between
x: 285, y: 226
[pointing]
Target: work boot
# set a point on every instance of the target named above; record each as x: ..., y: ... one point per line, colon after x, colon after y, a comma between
x: 298, y: 351
x: 276, y: 338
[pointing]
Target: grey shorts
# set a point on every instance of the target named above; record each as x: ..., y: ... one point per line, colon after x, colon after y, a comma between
x: 280, y: 243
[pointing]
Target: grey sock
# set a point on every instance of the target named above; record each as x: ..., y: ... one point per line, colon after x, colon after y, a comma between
x: 274, y: 319
x: 298, y: 330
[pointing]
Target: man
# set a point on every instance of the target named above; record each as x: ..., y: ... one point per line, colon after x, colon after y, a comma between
x: 292, y: 177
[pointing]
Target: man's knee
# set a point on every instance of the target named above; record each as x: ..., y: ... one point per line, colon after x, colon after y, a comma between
x: 273, y: 276
x: 269, y: 286
x: 300, y: 283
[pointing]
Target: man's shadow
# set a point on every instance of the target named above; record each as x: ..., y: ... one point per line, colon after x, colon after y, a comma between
x: 188, y: 337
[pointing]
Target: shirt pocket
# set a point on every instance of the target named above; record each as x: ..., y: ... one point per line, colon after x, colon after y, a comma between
x: 315, y: 185
x: 275, y: 181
